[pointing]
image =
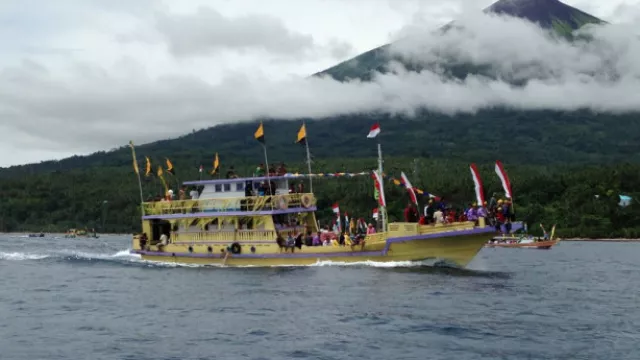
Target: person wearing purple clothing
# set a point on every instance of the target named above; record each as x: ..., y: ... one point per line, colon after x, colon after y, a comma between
x: 316, y: 240
x: 472, y: 214
x: 482, y: 212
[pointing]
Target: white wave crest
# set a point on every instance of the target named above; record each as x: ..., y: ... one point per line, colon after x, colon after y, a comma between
x: 16, y: 256
x: 378, y: 264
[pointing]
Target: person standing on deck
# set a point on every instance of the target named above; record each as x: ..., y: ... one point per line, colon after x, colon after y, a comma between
x: 411, y: 213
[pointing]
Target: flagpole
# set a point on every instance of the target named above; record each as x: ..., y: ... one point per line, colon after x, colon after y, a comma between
x: 136, y: 168
x: 306, y: 142
x: 266, y: 162
x: 382, y: 212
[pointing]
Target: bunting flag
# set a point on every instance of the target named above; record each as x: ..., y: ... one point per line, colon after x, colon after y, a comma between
x: 170, y: 167
x: 377, y: 182
x: 148, y: 170
x: 475, y: 175
x: 407, y: 184
x: 259, y: 134
x: 302, y: 135
x: 375, y: 213
x: 216, y: 165
x: 374, y: 131
x: 506, y: 184
x: 133, y: 155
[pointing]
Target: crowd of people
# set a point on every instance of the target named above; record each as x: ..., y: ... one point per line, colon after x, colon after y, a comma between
x: 497, y: 212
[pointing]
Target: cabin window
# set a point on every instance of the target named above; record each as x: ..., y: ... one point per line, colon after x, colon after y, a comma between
x: 227, y: 187
x: 239, y: 186
x: 218, y: 188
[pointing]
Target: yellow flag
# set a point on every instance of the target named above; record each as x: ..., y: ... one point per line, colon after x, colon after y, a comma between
x: 133, y: 154
x: 302, y: 135
x: 259, y: 134
x: 160, y: 171
x: 216, y: 165
x: 170, y: 167
x: 148, y: 167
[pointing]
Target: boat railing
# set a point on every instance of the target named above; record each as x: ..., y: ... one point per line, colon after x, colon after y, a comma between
x: 225, y: 236
x: 409, y: 229
x: 374, y: 238
x: 244, y: 204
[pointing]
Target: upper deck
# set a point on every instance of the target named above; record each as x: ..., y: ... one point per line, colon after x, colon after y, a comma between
x: 236, y: 197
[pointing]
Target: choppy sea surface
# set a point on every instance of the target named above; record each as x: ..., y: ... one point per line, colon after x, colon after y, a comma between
x: 89, y: 299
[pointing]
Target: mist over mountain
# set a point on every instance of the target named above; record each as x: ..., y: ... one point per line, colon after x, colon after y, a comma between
x: 558, y: 89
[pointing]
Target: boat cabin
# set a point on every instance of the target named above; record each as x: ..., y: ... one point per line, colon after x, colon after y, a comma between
x: 257, y: 207
x: 241, y: 187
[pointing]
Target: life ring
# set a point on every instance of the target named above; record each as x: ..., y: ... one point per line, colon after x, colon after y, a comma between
x: 235, y: 248
x: 305, y: 200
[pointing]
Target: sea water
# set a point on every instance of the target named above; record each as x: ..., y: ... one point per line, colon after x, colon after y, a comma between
x: 88, y: 298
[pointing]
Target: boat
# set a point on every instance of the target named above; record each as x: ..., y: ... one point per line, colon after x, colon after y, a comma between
x: 228, y: 225
x: 74, y: 233
x: 524, y: 241
x: 37, y: 235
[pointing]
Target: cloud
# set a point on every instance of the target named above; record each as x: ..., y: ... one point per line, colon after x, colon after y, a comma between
x: 207, y: 31
x: 89, y: 106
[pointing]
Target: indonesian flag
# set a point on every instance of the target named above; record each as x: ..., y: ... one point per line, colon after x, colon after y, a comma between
x: 336, y: 208
x: 506, y: 184
x: 375, y: 130
x: 375, y: 213
x: 200, y: 170
x: 378, y: 184
x: 407, y: 184
x: 346, y: 219
x: 478, y: 184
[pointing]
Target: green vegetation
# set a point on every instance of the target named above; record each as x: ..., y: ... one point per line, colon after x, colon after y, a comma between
x: 565, y: 195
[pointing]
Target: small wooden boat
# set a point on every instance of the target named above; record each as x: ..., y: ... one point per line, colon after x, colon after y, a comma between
x: 524, y: 241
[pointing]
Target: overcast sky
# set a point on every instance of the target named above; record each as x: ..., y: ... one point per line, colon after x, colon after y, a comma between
x: 78, y: 76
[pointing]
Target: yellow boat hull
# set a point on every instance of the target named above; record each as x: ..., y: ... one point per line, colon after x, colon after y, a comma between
x: 457, y: 247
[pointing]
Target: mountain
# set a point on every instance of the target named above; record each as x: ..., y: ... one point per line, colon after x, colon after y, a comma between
x: 547, y: 154
x: 549, y: 14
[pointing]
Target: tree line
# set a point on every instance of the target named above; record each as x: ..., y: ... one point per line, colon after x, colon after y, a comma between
x: 582, y: 200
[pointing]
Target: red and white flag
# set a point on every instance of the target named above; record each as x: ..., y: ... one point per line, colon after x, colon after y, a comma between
x: 478, y: 184
x: 407, y: 184
x: 375, y: 130
x: 506, y: 184
x: 200, y: 170
x: 375, y: 213
x: 377, y: 179
x: 336, y: 208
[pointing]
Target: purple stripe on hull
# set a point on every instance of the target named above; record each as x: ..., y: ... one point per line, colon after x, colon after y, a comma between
x: 261, y: 256
x: 229, y: 213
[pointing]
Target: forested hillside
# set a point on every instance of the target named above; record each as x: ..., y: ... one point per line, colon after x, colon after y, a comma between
x: 565, y: 195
